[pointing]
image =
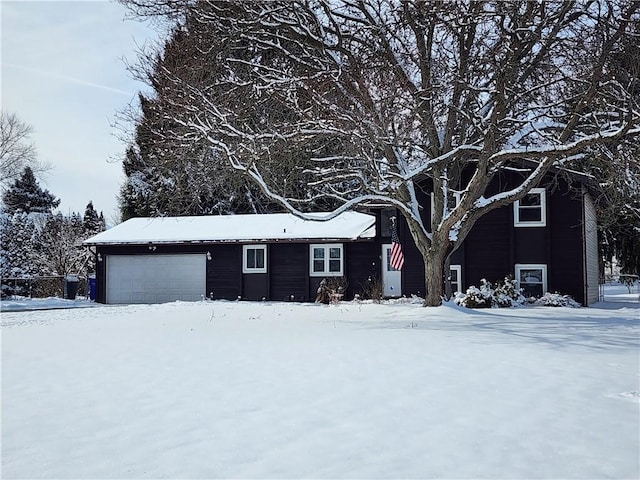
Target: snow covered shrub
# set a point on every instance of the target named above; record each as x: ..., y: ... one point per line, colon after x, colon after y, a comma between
x: 507, y: 293
x: 557, y: 300
x: 476, y: 297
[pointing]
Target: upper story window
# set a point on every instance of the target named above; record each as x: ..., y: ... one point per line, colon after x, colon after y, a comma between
x: 254, y: 259
x: 531, y: 210
x: 385, y: 221
x: 327, y: 260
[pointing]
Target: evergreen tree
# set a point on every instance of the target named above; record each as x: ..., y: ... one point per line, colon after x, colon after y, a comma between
x: 18, y: 253
x: 18, y: 234
x: 169, y: 177
x: 91, y: 221
x: 26, y: 196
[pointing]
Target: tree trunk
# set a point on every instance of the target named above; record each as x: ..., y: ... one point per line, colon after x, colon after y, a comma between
x: 434, y: 262
x: 434, y: 253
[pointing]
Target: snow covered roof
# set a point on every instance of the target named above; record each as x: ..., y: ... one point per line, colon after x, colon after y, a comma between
x: 237, y: 228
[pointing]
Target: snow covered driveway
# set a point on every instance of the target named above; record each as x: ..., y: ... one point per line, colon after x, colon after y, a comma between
x: 275, y: 390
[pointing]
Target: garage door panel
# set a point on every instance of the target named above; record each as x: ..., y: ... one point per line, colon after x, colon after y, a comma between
x: 155, y: 278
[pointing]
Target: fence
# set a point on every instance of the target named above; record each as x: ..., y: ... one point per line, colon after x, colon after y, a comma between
x: 42, y: 286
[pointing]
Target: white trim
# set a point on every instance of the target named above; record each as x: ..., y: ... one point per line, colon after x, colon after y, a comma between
x: 458, y: 270
x: 532, y: 266
x: 391, y: 278
x: 543, y: 210
x: 326, y: 247
x: 245, y: 268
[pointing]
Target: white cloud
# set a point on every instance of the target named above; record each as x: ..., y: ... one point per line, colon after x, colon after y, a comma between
x: 64, y: 73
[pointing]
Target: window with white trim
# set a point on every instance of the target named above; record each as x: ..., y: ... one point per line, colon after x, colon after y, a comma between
x: 326, y: 260
x: 532, y: 279
x: 531, y: 210
x: 455, y: 278
x: 254, y: 259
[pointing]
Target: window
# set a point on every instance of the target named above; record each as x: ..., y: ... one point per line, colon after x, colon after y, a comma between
x: 254, y: 259
x: 455, y: 277
x: 326, y: 260
x: 532, y: 279
x: 387, y: 256
x: 385, y: 221
x: 531, y: 210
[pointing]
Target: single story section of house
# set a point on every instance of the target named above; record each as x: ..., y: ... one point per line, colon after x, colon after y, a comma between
x: 253, y: 257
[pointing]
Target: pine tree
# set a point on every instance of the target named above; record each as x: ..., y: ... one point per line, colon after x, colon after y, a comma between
x: 26, y: 196
x: 169, y: 177
x: 18, y: 253
x: 91, y: 220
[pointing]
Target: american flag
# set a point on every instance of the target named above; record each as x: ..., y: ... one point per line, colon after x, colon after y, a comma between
x: 397, y: 257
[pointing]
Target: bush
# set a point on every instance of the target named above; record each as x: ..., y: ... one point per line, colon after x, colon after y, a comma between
x: 508, y: 294
x: 505, y: 294
x: 556, y: 300
x: 476, y: 297
x: 372, y: 289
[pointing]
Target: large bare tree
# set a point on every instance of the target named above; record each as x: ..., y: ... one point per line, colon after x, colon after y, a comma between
x: 364, y: 100
x: 17, y: 150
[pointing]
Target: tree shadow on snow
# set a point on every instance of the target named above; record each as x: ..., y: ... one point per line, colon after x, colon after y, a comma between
x: 594, y: 328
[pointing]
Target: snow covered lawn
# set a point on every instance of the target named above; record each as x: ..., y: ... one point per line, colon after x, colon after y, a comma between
x: 276, y: 390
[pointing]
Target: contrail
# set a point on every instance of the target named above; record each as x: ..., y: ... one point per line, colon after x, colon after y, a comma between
x: 67, y: 79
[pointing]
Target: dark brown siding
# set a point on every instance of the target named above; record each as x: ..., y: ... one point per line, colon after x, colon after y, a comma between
x: 224, y: 272
x: 486, y: 248
x: 289, y: 266
x: 255, y: 286
x: 101, y: 278
x: 362, y: 265
x: 531, y: 244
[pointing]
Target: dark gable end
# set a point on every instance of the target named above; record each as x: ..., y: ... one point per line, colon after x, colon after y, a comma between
x: 496, y: 245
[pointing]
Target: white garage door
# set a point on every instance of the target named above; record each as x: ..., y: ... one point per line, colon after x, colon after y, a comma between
x: 155, y: 278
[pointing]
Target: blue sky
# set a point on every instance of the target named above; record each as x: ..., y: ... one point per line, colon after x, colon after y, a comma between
x: 64, y: 73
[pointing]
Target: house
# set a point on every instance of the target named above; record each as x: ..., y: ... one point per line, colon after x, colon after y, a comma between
x: 547, y: 241
x: 253, y: 257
